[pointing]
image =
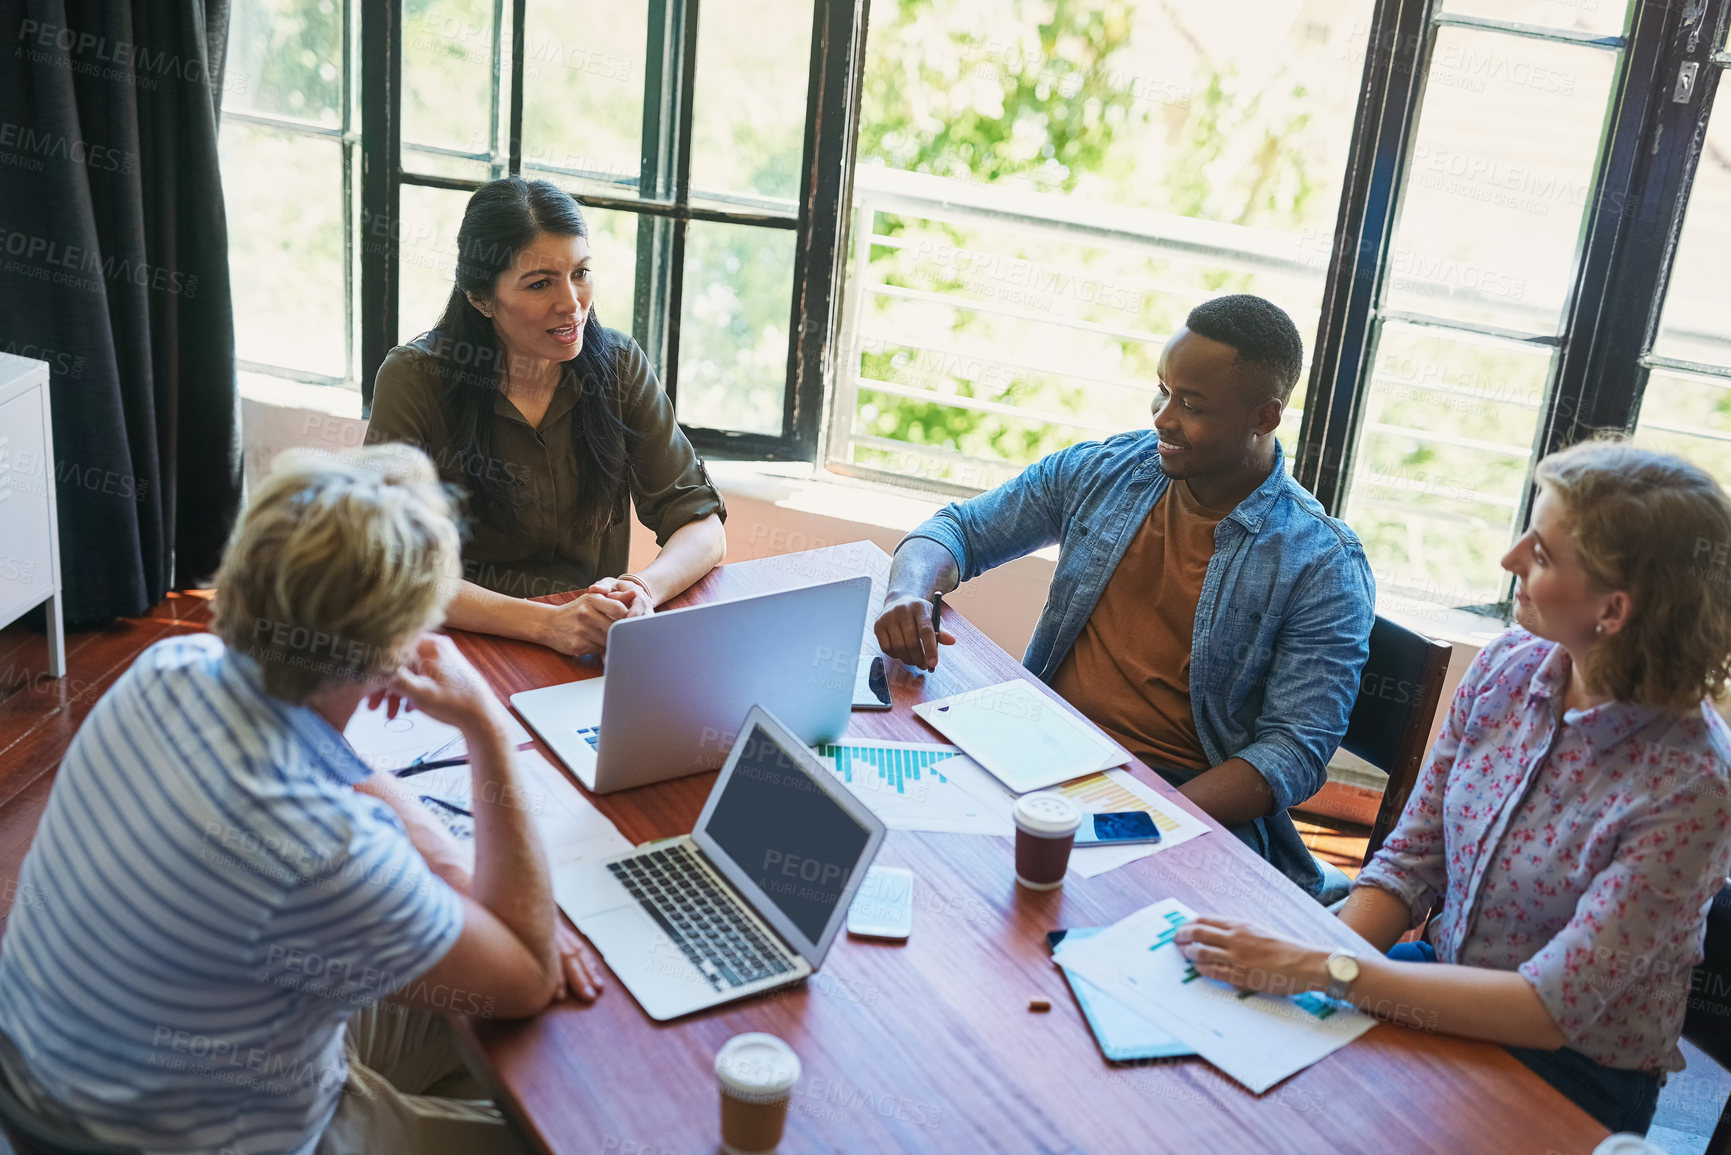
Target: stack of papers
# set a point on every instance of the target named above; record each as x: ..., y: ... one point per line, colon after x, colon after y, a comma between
x: 1257, y: 1039
x: 1124, y: 1036
x: 1023, y: 737
x: 395, y: 744
x: 570, y: 826
x: 921, y: 786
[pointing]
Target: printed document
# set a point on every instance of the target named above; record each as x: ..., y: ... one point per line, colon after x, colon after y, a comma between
x: 921, y: 786
x: 570, y: 826
x: 1118, y: 790
x: 1257, y: 1039
x: 395, y: 744
x: 1023, y: 737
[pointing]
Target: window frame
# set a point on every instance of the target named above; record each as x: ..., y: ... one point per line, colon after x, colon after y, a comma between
x: 1612, y: 313
x: 663, y: 205
x: 347, y: 135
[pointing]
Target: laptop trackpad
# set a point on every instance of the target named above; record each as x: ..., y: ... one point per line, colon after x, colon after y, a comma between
x: 643, y: 958
x: 586, y: 887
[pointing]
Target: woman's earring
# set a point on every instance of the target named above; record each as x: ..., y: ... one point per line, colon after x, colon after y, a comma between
x: 1599, y: 629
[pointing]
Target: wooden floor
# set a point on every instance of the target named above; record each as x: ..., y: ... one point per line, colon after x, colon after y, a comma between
x: 40, y: 713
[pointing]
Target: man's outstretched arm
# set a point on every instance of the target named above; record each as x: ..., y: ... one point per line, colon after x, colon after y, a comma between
x: 966, y: 538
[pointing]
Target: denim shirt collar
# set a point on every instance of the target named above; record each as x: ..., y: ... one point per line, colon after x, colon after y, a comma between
x: 1254, y: 509
x: 1601, y: 727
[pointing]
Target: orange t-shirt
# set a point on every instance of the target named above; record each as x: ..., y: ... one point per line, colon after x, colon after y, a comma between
x: 1129, y: 670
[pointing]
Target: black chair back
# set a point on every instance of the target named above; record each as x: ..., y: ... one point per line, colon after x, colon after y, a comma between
x: 1707, y: 1023
x: 1391, y: 721
x: 31, y: 1134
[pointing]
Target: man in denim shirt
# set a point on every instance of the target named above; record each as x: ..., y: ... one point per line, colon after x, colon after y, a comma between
x: 1205, y: 611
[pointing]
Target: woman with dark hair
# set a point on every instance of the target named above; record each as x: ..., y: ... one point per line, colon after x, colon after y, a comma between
x: 1573, y: 819
x: 547, y: 421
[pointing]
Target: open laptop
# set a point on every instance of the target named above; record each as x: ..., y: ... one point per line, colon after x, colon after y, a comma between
x: 748, y: 901
x: 679, y: 681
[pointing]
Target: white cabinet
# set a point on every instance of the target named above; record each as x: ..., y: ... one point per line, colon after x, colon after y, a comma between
x: 29, y: 534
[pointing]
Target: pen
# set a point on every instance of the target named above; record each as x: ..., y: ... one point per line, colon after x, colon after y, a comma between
x: 937, y: 612
x: 414, y: 768
x: 422, y: 759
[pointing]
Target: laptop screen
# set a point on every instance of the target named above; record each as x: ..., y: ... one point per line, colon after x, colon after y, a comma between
x: 786, y: 834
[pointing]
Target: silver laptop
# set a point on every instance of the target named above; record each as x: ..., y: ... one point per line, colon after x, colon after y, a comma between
x: 678, y: 682
x: 748, y: 901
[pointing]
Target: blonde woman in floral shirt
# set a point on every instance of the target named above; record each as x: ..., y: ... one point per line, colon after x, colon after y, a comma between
x: 1574, y: 816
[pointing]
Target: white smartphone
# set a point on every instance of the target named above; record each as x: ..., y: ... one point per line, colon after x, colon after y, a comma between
x: 1116, y: 828
x: 883, y: 907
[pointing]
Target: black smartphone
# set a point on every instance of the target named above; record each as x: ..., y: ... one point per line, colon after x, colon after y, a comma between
x: 1117, y: 827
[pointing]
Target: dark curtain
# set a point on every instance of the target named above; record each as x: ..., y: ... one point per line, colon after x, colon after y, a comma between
x: 114, y: 270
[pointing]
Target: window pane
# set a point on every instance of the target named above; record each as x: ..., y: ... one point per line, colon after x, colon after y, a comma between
x: 1690, y: 416
x: 1442, y: 462
x: 750, y: 148
x: 1043, y: 195
x: 1601, y: 17
x: 439, y: 164
x: 286, y: 226
x: 1501, y: 174
x: 1238, y: 113
x: 448, y: 73
x: 427, y: 251
x: 738, y: 293
x: 1696, y: 324
x: 583, y: 90
x: 1018, y: 342
x: 613, y: 245
x: 285, y: 58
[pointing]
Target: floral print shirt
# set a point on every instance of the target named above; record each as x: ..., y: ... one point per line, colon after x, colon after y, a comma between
x: 1582, y: 851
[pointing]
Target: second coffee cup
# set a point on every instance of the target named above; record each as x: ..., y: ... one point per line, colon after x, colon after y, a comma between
x: 757, y: 1074
x: 1045, y: 830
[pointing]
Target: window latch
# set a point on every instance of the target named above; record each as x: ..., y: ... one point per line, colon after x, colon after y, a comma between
x: 1685, y: 82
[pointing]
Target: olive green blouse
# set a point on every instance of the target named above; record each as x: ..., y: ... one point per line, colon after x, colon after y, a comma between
x: 547, y: 554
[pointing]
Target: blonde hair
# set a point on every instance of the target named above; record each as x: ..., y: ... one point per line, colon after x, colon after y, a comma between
x: 1658, y: 528
x: 339, y: 563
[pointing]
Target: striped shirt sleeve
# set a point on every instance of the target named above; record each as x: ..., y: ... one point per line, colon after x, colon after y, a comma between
x: 370, y: 924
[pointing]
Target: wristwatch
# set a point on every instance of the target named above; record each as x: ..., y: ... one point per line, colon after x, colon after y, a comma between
x: 1342, y: 967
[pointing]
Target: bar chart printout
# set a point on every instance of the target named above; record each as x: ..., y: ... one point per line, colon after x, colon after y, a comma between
x: 921, y: 786
x: 897, y: 768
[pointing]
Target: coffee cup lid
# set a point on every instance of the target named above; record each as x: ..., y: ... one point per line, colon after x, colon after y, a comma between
x: 1051, y: 814
x: 1627, y: 1143
x: 757, y: 1066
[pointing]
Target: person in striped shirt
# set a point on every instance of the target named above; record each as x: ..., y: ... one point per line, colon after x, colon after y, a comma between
x: 247, y: 942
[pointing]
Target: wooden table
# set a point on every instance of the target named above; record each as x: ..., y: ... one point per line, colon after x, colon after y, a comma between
x: 930, y: 1046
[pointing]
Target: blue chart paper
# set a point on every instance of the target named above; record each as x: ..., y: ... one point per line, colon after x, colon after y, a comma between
x: 920, y: 786
x: 897, y: 769
x: 1124, y: 1036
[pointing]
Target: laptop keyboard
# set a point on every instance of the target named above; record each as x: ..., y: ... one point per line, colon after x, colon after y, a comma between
x: 591, y: 735
x: 705, y: 922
